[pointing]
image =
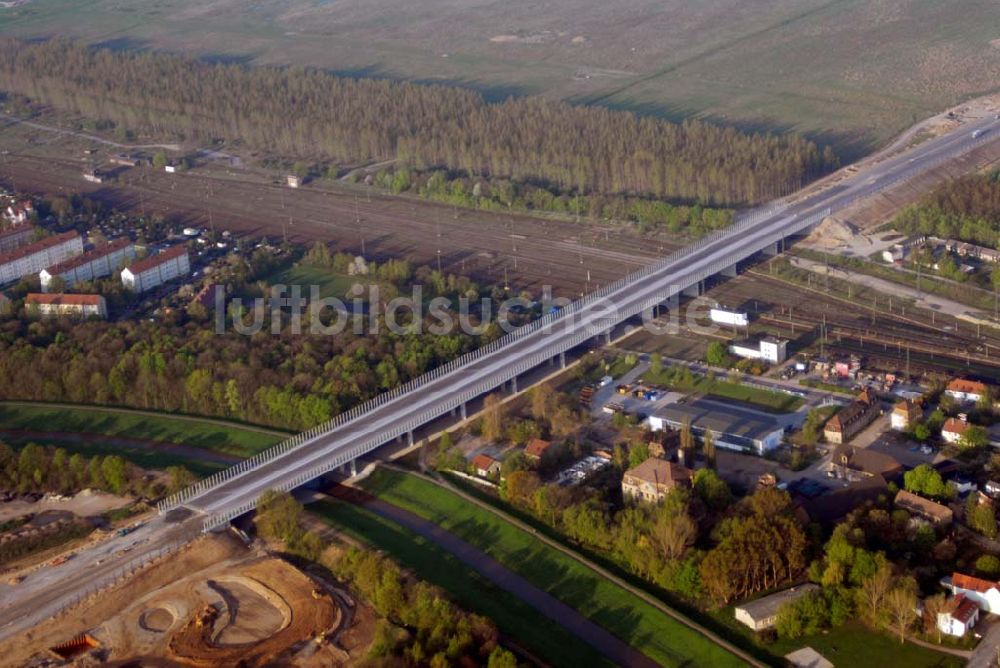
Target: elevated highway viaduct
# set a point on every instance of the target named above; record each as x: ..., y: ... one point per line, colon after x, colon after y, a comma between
x: 233, y: 492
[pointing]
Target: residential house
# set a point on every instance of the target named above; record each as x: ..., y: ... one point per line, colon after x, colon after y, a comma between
x: 985, y: 593
x: 19, y: 213
x: 769, y: 349
x: 966, y: 249
x: 856, y: 464
x: 733, y: 428
x: 924, y: 509
x: 853, y: 418
x: 953, y: 429
x: 61, y: 304
x: 31, y: 259
x: 207, y: 295
x: 760, y: 614
x: 157, y: 269
x: 485, y: 466
x: 653, y: 479
x: 537, y: 448
x: 904, y: 414
x: 963, y: 484
x: 830, y: 507
x: 103, y: 260
x: 966, y: 391
x: 961, y: 619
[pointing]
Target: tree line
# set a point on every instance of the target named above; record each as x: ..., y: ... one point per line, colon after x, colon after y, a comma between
x: 39, y: 468
x: 648, y: 214
x: 310, y: 114
x: 966, y: 209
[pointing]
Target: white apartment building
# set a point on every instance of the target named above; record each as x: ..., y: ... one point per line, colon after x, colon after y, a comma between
x: 31, y: 259
x: 59, y: 304
x: 97, y: 263
x: 157, y: 269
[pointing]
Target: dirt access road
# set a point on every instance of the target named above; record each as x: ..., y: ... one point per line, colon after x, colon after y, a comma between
x: 604, y: 642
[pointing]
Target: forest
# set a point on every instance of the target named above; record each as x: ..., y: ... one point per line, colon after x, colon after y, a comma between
x: 966, y: 209
x: 290, y: 381
x: 307, y: 114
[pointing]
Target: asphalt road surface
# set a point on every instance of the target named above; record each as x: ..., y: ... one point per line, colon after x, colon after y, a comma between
x: 438, y: 396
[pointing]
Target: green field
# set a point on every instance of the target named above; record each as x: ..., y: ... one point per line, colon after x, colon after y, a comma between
x: 207, y: 434
x: 330, y: 283
x: 641, y: 625
x: 849, y: 72
x: 467, y: 588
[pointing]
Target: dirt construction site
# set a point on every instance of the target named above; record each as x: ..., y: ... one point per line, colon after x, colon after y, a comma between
x: 214, y: 603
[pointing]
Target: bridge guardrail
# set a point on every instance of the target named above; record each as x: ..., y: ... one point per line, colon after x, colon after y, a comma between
x: 547, y: 320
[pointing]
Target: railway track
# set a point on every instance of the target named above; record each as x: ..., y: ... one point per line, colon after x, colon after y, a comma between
x: 520, y: 251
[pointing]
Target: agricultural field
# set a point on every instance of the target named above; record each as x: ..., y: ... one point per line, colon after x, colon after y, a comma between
x: 842, y: 71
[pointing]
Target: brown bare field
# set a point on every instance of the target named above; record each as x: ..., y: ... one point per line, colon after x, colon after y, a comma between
x: 854, y: 73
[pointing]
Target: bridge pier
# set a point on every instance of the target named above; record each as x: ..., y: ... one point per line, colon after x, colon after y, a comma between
x: 773, y: 249
x: 607, y: 338
x: 562, y: 360
x: 354, y: 467
x: 464, y: 416
x: 513, y: 385
x: 692, y: 290
x: 729, y: 271
x: 409, y: 438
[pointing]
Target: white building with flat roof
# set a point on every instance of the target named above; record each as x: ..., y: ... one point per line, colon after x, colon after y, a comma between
x: 97, y: 263
x: 727, y: 316
x: 157, y: 269
x: 31, y: 259
x: 768, y: 349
